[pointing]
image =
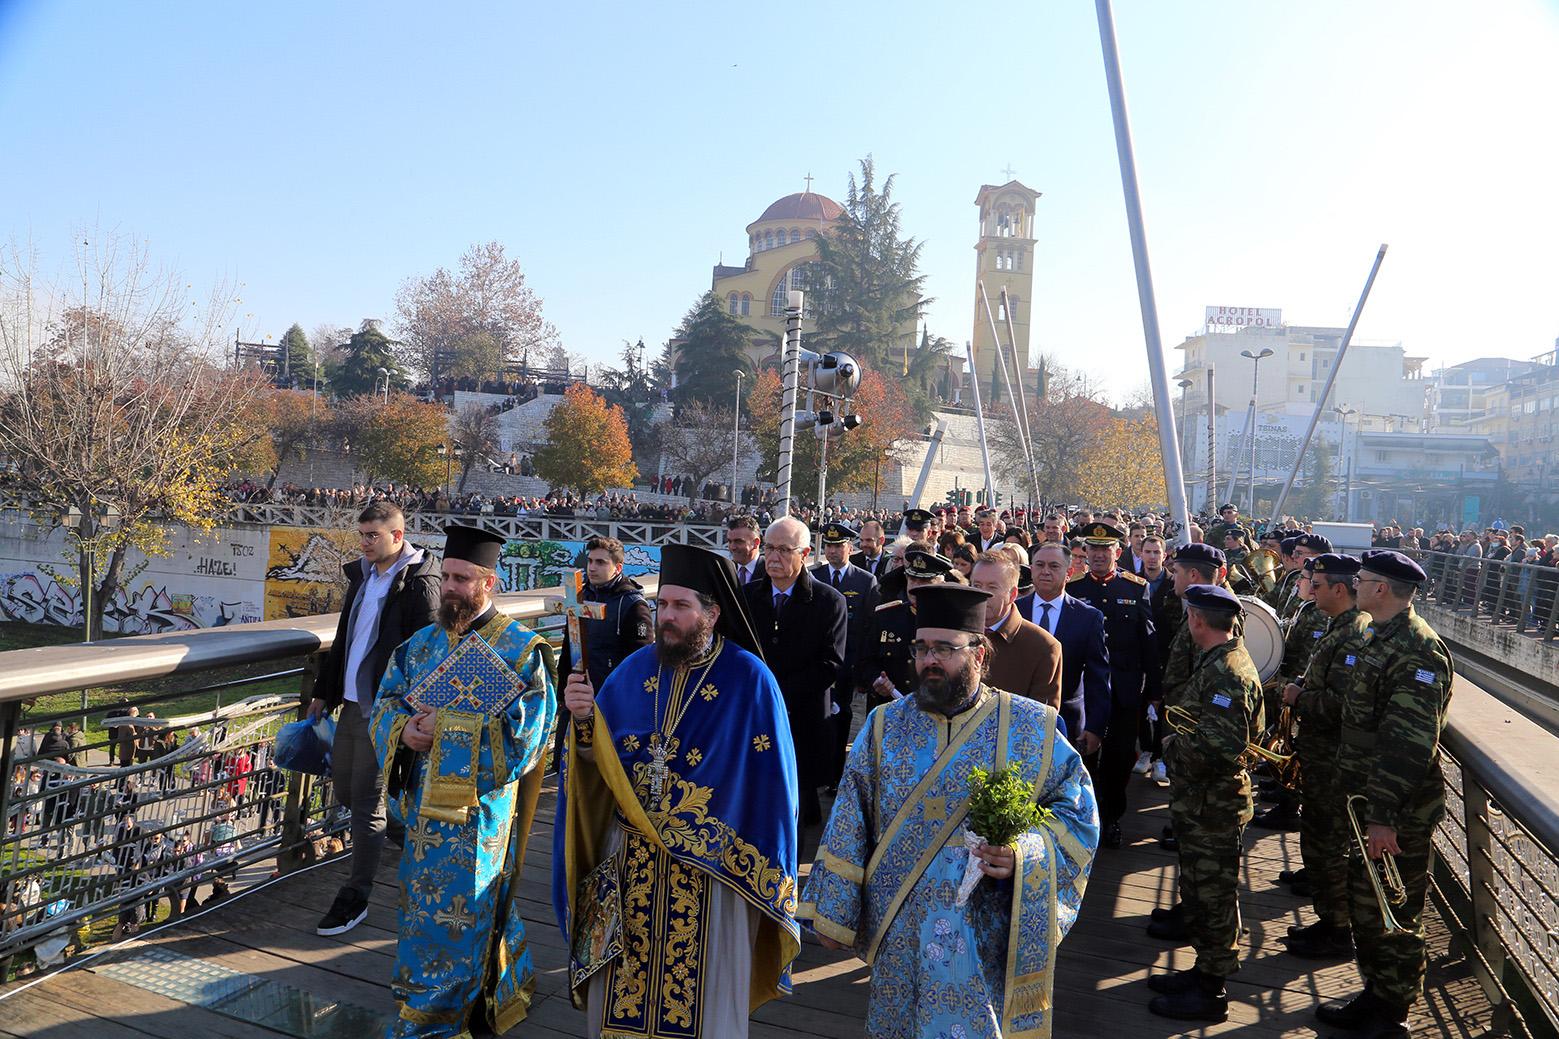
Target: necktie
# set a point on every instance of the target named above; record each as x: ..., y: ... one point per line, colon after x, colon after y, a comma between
x: 779, y: 603
x: 837, y: 579
x: 1044, y: 617
x: 742, y: 573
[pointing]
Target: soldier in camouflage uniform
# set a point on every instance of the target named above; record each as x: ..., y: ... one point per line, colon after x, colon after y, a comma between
x: 1324, y: 838
x: 1394, y: 706
x: 1305, y: 628
x: 1211, y: 804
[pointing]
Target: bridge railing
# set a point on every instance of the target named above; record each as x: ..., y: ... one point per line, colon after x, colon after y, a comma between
x: 183, y: 800
x: 1524, y: 596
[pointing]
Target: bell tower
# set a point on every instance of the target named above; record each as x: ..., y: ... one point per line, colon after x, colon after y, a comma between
x: 1004, y: 260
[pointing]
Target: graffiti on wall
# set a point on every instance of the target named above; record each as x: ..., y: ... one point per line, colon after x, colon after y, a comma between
x: 524, y: 565
x: 34, y: 598
x: 303, y: 575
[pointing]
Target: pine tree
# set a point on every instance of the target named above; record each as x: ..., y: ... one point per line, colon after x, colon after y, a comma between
x: 366, y: 352
x: 299, y: 356
x: 711, y: 348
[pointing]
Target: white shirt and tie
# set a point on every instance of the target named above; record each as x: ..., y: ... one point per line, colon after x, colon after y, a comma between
x: 1047, y: 612
x: 745, y: 571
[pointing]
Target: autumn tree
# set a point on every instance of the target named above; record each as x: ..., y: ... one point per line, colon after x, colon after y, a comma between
x: 697, y: 443
x: 474, y: 434
x: 587, y: 448
x: 395, y: 441
x: 467, y: 321
x: 711, y: 349
x: 1063, y: 422
x: 113, y: 408
x: 290, y: 421
x: 1124, y: 466
x: 328, y: 341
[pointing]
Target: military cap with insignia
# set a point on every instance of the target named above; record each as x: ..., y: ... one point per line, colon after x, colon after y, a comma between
x: 1288, y: 545
x: 917, y: 518
x: 926, y: 564
x: 1333, y: 563
x: 1196, y: 552
x: 1314, y: 542
x: 1212, y: 597
x: 956, y: 607
x: 1236, y: 531
x: 1393, y: 564
x: 838, y: 534
x: 1099, y: 533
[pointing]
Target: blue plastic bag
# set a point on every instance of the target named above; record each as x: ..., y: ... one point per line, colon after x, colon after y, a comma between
x: 304, y: 746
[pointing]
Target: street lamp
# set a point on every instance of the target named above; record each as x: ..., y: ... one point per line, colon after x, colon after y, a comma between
x: 386, y: 373
x: 736, y: 432
x: 1254, y: 374
x: 1344, y: 413
x: 1184, y: 383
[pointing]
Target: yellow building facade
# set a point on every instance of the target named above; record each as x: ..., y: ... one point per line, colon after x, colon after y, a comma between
x: 1004, y: 259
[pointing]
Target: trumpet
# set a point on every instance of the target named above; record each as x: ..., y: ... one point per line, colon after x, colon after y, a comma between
x: 1183, y: 723
x: 1385, y: 877
x: 1279, y: 741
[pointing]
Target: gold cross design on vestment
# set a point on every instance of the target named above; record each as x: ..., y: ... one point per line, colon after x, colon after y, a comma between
x: 467, y: 689
x: 457, y: 918
x: 936, y: 808
x: 422, y: 838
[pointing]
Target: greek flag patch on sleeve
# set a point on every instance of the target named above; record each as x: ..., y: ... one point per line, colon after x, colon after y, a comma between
x: 1426, y: 677
x: 1221, y: 700
x: 1350, y: 660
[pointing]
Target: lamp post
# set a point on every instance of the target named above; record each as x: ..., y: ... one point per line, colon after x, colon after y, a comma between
x: 90, y: 527
x: 1184, y: 383
x: 386, y: 373
x: 1344, y: 413
x: 1255, y: 373
x: 736, y: 432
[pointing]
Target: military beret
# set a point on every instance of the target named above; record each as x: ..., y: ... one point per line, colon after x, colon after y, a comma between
x: 1308, y: 566
x: 1333, y: 563
x: 1196, y: 552
x: 1212, y: 597
x: 838, y: 534
x: 1288, y: 545
x: 1235, y: 532
x: 984, y: 511
x: 1099, y: 533
x: 926, y: 564
x: 1314, y: 542
x: 917, y: 517
x: 1393, y: 564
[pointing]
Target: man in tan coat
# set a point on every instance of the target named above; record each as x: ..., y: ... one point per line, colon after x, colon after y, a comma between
x: 1025, y: 658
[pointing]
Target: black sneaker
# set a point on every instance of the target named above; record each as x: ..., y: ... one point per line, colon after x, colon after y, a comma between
x: 346, y: 912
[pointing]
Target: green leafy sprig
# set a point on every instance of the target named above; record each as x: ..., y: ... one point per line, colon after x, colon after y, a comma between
x: 1002, y: 806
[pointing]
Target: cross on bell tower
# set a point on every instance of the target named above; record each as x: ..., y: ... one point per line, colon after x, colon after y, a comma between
x: 1004, y: 260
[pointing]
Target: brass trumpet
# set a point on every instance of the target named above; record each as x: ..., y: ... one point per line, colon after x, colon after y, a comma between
x: 1265, y: 568
x: 1279, y: 741
x: 1183, y: 722
x: 1385, y: 878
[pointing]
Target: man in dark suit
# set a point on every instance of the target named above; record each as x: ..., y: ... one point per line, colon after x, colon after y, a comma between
x: 873, y: 556
x: 859, y: 589
x: 802, y: 624
x: 741, y: 541
x: 986, y: 536
x: 1085, y: 659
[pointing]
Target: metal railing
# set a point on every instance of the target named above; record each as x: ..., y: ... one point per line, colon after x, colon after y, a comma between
x: 141, y: 810
x: 1523, y: 595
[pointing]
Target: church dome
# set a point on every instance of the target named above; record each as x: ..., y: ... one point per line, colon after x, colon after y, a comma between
x: 804, y: 205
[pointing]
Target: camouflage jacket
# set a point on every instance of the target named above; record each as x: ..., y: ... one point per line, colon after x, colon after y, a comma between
x: 1394, y: 705
x: 1223, y: 693
x: 1177, y: 665
x: 1284, y: 595
x: 1326, y: 678
x: 1304, y: 634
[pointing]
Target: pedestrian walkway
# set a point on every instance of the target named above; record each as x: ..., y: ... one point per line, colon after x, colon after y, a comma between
x: 253, y: 967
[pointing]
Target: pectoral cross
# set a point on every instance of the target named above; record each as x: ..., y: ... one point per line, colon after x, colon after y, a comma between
x: 661, y: 750
x: 577, y: 611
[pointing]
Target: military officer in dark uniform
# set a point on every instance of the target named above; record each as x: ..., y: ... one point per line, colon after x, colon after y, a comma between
x: 859, y: 589
x: 1135, y: 668
x: 916, y: 523
x: 1393, y: 714
x: 887, y: 665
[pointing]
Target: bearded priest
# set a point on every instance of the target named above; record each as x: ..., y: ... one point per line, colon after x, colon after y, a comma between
x: 946, y: 961
x: 461, y: 726
x: 674, y: 856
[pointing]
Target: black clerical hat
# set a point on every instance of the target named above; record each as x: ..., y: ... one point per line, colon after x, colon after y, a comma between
x: 689, y: 566
x: 953, y: 606
x: 473, y: 544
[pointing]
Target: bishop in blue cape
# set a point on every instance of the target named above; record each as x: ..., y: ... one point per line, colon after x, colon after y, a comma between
x: 462, y: 722
x: 896, y: 849
x: 674, y: 862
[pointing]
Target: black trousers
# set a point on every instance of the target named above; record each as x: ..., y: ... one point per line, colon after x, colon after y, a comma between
x: 1111, y: 766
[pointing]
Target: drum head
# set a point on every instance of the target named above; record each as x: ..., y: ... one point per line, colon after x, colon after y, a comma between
x: 1263, y: 636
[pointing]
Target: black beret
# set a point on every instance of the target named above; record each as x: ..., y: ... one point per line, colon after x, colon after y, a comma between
x: 1212, y: 597
x: 838, y: 534
x: 1196, y: 552
x: 1288, y: 546
x: 1314, y: 542
x: 1393, y: 564
x: 954, y: 606
x: 919, y: 563
x: 1228, y: 505
x: 1234, y: 532
x: 1333, y: 563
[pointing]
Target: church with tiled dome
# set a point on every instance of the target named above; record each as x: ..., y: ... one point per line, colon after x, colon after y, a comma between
x: 780, y: 249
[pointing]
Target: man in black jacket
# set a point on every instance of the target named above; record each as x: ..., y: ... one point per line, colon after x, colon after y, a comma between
x: 802, y: 624
x: 626, y: 627
x: 392, y: 592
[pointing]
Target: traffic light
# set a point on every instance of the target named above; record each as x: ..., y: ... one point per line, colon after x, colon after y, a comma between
x: 953, y: 496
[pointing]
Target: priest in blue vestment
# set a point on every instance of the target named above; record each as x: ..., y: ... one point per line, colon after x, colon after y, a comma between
x: 674, y: 857
x: 886, y: 883
x: 461, y: 724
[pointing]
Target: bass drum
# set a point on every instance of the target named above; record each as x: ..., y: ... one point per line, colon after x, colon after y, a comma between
x: 1263, y: 636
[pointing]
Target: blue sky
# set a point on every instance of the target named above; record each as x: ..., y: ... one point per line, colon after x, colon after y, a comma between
x: 321, y: 153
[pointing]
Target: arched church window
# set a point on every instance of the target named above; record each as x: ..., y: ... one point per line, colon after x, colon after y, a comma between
x: 811, y: 232
x: 732, y: 302
x: 795, y: 235
x: 1001, y: 310
x: 768, y: 239
x: 777, y: 301
x: 1019, y: 257
x: 746, y: 304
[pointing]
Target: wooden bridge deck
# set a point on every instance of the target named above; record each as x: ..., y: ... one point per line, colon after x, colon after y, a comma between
x: 331, y: 987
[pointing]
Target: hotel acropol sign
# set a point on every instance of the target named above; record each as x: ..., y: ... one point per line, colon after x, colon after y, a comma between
x: 1232, y: 319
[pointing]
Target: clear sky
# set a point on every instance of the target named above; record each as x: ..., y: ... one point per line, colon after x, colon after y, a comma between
x: 322, y: 153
